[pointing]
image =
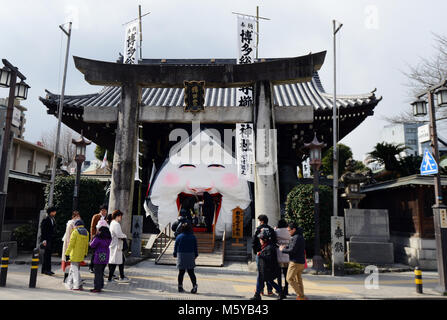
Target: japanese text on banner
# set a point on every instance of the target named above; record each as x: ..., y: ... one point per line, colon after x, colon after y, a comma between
x: 245, y: 150
x: 131, y: 43
x: 247, y: 54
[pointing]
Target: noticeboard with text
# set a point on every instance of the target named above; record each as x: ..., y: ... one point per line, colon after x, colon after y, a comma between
x: 238, y: 223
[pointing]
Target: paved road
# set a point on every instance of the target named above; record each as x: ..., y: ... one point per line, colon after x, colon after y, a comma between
x: 234, y: 281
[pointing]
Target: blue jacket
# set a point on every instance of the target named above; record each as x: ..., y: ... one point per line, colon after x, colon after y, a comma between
x: 185, y: 242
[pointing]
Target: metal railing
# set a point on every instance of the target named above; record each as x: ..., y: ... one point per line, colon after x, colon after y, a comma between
x: 162, y: 241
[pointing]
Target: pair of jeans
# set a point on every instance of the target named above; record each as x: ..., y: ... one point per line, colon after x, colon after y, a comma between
x: 74, y: 276
x: 99, y: 276
x: 192, y: 276
x: 260, y: 281
x: 295, y: 279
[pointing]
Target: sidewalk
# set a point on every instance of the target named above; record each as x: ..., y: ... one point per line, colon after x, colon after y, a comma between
x: 233, y: 281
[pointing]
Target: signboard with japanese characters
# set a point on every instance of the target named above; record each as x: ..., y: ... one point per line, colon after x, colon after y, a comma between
x: 338, y: 240
x: 245, y: 153
x: 131, y: 43
x: 194, y: 95
x: 247, y: 54
x: 238, y: 223
x: 443, y: 217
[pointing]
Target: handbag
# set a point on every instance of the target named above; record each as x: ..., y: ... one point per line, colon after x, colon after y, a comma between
x: 125, y: 245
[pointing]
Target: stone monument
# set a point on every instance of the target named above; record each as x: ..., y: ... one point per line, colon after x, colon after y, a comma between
x: 369, y: 234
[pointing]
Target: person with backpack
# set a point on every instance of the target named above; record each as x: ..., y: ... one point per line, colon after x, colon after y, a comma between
x: 76, y: 252
x: 256, y: 245
x: 268, y: 269
x: 100, y: 244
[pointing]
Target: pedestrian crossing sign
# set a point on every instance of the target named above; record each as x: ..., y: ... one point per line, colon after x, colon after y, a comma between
x: 428, y: 165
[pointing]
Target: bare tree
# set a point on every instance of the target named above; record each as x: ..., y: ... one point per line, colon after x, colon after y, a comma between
x: 67, y: 149
x: 429, y: 71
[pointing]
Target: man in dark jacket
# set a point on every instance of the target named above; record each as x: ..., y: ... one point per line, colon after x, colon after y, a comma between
x: 256, y: 245
x: 47, y: 233
x: 268, y: 267
x: 295, y: 250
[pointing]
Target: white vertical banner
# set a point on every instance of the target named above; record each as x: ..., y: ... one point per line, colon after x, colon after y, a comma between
x: 245, y: 153
x: 131, y: 43
x: 247, y: 54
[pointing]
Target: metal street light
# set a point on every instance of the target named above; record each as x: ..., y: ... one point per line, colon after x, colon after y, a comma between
x: 419, y: 107
x: 5, y: 77
x: 81, y: 146
x: 315, y: 161
x: 8, y: 78
x: 439, y: 209
x: 441, y: 95
x: 21, y: 90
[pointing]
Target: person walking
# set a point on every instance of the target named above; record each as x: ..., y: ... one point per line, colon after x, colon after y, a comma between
x: 296, y: 253
x: 93, y: 229
x: 75, y: 216
x: 116, y: 257
x: 283, y: 238
x: 268, y: 269
x: 184, y: 217
x: 100, y: 244
x: 47, y: 235
x: 185, y: 250
x: 256, y: 245
x: 76, y: 252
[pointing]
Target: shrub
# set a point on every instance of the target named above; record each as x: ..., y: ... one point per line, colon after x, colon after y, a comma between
x: 91, y: 196
x: 25, y: 235
x: 300, y: 209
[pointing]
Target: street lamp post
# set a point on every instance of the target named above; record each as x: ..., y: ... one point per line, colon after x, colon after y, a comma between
x: 439, y: 209
x: 8, y: 79
x: 81, y: 146
x: 315, y: 161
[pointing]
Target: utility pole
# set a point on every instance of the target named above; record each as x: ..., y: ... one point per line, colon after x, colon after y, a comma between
x: 59, y: 115
x: 336, y: 221
x: 335, y: 123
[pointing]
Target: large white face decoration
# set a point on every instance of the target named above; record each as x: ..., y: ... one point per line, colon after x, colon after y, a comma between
x: 199, y: 166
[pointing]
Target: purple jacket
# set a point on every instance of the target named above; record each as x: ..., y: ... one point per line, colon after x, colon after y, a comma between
x: 102, y: 250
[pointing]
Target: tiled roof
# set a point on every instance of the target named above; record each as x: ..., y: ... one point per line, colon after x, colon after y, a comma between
x: 309, y: 93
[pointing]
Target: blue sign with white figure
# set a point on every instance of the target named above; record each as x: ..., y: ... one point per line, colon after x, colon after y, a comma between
x: 429, y: 165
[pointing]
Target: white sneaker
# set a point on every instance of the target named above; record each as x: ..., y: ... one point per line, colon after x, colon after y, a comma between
x: 123, y: 280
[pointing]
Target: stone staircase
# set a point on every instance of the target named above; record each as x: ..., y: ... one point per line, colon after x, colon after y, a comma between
x: 235, y: 252
x: 205, y: 242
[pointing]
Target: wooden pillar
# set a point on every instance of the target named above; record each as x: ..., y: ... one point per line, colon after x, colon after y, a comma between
x: 123, y: 171
x: 266, y: 169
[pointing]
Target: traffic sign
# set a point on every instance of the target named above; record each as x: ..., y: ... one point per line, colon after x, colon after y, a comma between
x: 428, y: 165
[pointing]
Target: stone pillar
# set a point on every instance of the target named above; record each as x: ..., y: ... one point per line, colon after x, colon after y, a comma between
x: 266, y: 169
x: 122, y: 186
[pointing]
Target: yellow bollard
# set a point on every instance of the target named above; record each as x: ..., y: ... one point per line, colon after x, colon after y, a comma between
x: 418, y: 279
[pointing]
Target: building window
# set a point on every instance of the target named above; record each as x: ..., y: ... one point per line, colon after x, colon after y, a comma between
x: 30, y: 166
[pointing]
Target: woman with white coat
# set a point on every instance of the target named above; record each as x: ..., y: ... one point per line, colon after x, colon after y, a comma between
x: 75, y: 216
x: 116, y: 247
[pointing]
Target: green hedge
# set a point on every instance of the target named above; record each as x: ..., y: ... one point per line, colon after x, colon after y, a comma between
x: 300, y: 209
x: 91, y: 196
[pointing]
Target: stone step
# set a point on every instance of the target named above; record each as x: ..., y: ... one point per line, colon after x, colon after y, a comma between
x: 235, y: 258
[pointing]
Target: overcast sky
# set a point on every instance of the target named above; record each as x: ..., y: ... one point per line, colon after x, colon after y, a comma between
x: 377, y: 41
